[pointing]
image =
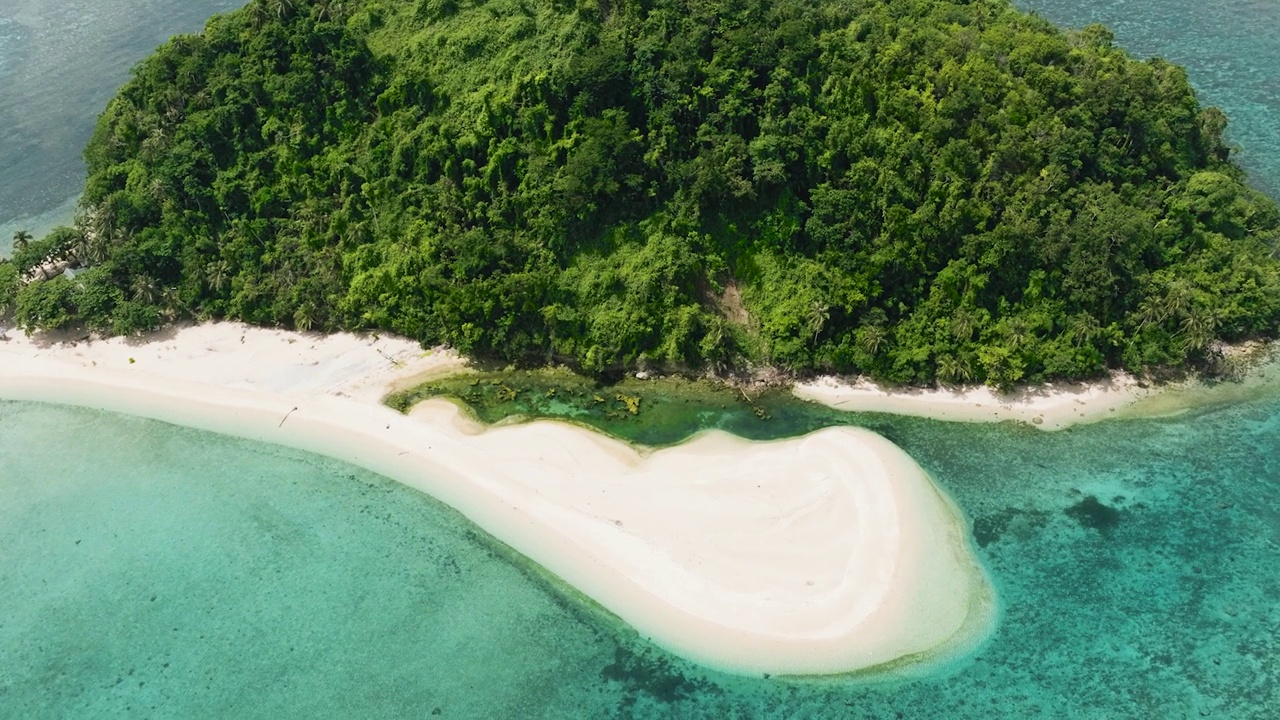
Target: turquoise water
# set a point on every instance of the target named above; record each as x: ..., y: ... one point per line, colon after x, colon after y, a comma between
x: 1230, y: 48
x: 147, y: 570
x: 60, y: 62
x: 152, y: 570
x: 159, y: 567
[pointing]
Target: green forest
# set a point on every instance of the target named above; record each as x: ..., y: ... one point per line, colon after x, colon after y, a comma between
x: 922, y: 191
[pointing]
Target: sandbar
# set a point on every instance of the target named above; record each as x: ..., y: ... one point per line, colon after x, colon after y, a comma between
x: 825, y: 554
x: 1059, y: 405
x: 1053, y: 406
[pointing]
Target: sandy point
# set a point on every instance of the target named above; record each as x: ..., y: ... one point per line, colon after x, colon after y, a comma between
x: 828, y: 553
x: 1052, y: 406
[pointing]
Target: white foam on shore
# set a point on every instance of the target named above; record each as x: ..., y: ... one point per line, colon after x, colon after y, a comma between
x: 829, y: 553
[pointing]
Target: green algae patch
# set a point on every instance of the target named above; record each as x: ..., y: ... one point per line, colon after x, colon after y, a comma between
x: 655, y: 411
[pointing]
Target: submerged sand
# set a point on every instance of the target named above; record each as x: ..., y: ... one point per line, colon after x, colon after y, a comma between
x: 829, y: 553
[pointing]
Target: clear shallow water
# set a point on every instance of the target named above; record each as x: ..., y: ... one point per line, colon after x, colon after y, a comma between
x: 1230, y: 48
x: 1138, y: 566
x: 60, y: 62
x: 148, y: 569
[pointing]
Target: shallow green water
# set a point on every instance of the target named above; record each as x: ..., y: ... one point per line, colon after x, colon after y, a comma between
x: 648, y: 412
x: 169, y: 568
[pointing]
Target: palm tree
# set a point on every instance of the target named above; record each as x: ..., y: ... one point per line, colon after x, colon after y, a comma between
x: 871, y: 338
x: 952, y: 368
x: 97, y: 247
x: 1082, y: 329
x: 21, y: 240
x: 356, y: 234
x: 312, y: 218
x: 947, y: 368
x: 175, y: 104
x: 219, y: 274
x: 819, y: 314
x: 258, y: 14
x: 169, y: 304
x: 144, y: 289
x: 1017, y: 330
x: 284, y: 8
x: 81, y: 250
x: 1178, y: 299
x: 156, y: 141
x: 157, y: 190
x: 1197, y: 328
x: 328, y: 10
x: 304, y: 317
x: 1150, y: 312
x: 964, y: 368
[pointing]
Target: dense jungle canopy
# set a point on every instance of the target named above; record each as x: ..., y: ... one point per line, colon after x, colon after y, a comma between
x: 919, y: 190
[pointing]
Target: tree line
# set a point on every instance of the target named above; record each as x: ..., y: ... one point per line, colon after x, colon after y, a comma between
x: 919, y: 190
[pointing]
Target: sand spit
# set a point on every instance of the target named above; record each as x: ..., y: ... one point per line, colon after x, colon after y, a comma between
x: 823, y: 554
x: 1049, y: 407
x: 1055, y: 406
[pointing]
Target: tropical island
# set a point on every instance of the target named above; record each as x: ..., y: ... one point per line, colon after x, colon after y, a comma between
x: 916, y: 191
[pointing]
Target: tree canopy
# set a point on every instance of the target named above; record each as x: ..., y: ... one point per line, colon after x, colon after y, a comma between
x: 919, y: 190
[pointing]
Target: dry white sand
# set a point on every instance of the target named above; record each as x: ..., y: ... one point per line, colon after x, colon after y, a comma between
x: 1052, y: 406
x: 828, y: 553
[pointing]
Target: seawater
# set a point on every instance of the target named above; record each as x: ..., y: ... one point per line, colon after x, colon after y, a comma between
x: 154, y: 570
x: 148, y: 570
x: 1230, y: 49
x: 60, y: 62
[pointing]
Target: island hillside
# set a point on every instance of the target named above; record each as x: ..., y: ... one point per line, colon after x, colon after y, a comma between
x: 918, y: 190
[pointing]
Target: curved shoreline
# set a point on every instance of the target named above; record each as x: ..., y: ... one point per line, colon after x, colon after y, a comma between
x: 1053, y: 406
x: 815, y: 555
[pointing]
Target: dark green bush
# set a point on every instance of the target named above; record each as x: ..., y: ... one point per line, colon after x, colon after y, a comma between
x: 922, y: 190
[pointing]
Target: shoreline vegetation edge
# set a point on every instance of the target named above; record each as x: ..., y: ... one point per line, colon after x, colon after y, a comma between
x: 816, y: 555
x: 1055, y: 405
x: 749, y: 557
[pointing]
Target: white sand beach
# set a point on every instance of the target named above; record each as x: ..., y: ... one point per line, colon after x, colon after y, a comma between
x: 1055, y: 406
x: 828, y: 553
x: 1052, y: 406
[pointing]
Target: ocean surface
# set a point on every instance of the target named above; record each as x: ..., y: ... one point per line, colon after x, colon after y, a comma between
x: 1230, y: 49
x: 60, y: 62
x: 148, y: 570
x: 151, y: 570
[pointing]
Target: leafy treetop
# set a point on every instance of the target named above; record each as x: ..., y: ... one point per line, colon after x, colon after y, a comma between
x: 921, y: 190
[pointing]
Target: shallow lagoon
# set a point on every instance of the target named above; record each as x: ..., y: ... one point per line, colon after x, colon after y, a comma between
x: 1136, y: 563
